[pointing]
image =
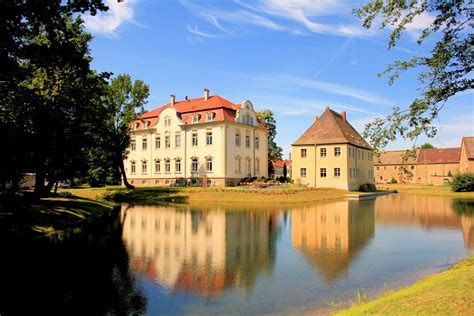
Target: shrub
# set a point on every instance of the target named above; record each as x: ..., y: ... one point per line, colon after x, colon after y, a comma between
x: 367, y: 187
x: 463, y: 182
x: 393, y: 180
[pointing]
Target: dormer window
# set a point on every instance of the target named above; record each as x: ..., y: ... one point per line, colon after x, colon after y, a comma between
x: 135, y: 126
x: 210, y: 116
x: 195, y: 118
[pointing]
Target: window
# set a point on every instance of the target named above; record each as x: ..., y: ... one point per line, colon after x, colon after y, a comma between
x: 167, y: 141
x: 303, y: 153
x: 350, y: 172
x: 322, y: 172
x: 157, y: 166
x: 257, y: 142
x: 144, y: 166
x: 337, y: 172
x: 194, y: 165
x: 369, y: 174
x: 323, y: 152
x: 337, y: 151
x: 210, y: 116
x: 195, y: 118
x: 133, y: 167
x: 248, y: 165
x: 177, y: 140
x: 167, y: 121
x: 209, y: 164
x: 208, y: 138
x: 133, y: 145
x: 194, y: 139
x: 412, y: 167
x: 257, y: 166
x: 303, y: 172
x: 177, y: 165
x: 237, y: 165
x: 237, y: 139
x: 144, y: 144
x: 378, y: 168
x: 157, y: 142
x: 247, y: 141
x: 358, y: 153
x: 167, y: 166
x: 362, y: 155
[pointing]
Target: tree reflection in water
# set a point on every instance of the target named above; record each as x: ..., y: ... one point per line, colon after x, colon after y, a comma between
x: 82, y: 275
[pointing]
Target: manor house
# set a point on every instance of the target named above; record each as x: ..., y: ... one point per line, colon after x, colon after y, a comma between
x: 201, y: 141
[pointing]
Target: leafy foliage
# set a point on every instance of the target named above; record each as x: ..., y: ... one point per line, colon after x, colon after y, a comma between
x: 426, y: 146
x: 444, y: 73
x: 463, y: 182
x: 275, y: 152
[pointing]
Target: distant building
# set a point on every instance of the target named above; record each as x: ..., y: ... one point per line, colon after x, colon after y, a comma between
x: 332, y: 154
x: 466, y: 161
x: 435, y: 166
x: 278, y: 166
x: 201, y: 141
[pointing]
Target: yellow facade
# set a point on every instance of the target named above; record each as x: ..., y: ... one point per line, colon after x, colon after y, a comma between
x: 349, y: 169
x: 205, y: 153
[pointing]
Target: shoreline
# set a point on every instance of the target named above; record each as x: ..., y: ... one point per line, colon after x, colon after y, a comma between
x: 449, y: 291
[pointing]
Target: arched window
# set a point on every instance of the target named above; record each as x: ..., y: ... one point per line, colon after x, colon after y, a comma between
x: 167, y: 165
x: 209, y: 164
x: 257, y: 166
x: 133, y: 167
x: 157, y: 166
x: 177, y: 165
x: 195, y: 118
x: 144, y: 166
x: 194, y: 164
x: 238, y: 163
x: 210, y: 116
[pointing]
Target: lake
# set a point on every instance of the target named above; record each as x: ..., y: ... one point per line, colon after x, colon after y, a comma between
x: 224, y: 259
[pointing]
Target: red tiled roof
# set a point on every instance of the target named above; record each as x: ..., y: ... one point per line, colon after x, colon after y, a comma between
x: 394, y: 157
x: 223, y: 110
x: 280, y: 163
x: 468, y: 144
x: 331, y: 128
x: 439, y: 155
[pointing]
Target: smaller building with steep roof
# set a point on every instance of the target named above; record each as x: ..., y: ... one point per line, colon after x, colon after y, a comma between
x: 466, y: 161
x: 332, y: 154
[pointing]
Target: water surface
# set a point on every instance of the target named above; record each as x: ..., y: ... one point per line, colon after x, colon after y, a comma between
x: 216, y: 259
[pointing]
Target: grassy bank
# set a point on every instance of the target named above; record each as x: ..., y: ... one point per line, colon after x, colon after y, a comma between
x: 285, y: 194
x: 419, y: 189
x: 448, y: 293
x: 28, y: 215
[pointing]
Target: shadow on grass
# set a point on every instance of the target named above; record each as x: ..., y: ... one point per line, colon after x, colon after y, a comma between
x: 30, y: 215
x: 146, y: 196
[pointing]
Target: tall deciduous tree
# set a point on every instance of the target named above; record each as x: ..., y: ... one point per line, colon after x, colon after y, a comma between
x: 123, y: 102
x: 46, y: 88
x: 445, y: 72
x: 274, y: 151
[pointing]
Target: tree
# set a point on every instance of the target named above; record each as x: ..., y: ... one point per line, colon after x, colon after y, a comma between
x: 446, y: 72
x: 274, y: 151
x: 46, y: 88
x: 285, y: 171
x: 426, y: 146
x: 122, y: 100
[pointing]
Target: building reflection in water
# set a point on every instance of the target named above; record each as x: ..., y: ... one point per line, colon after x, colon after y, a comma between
x: 429, y: 212
x: 202, y: 251
x: 331, y: 235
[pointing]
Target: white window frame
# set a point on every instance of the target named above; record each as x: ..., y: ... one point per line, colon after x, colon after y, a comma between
x: 323, y: 152
x: 194, y: 139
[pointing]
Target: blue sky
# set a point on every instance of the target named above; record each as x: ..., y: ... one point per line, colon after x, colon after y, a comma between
x: 294, y: 57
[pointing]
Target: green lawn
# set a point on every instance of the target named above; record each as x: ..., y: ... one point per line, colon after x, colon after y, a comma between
x: 448, y: 293
x: 419, y: 189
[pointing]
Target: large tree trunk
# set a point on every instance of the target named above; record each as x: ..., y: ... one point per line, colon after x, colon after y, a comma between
x: 124, y: 176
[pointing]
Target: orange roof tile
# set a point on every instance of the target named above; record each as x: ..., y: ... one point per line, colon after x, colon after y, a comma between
x: 331, y: 128
x: 439, y: 155
x: 394, y: 157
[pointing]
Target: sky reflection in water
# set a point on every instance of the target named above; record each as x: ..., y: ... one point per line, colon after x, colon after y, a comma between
x: 213, y: 259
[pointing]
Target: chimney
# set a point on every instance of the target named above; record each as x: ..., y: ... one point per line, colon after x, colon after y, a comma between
x: 343, y: 114
x: 186, y: 98
x: 206, y: 94
x: 315, y: 118
x: 173, y: 99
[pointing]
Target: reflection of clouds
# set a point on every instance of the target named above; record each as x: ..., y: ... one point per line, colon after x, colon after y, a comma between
x: 200, y: 251
x: 330, y: 235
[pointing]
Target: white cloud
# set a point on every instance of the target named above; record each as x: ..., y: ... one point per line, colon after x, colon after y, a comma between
x: 324, y: 86
x: 108, y: 22
x: 194, y: 29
